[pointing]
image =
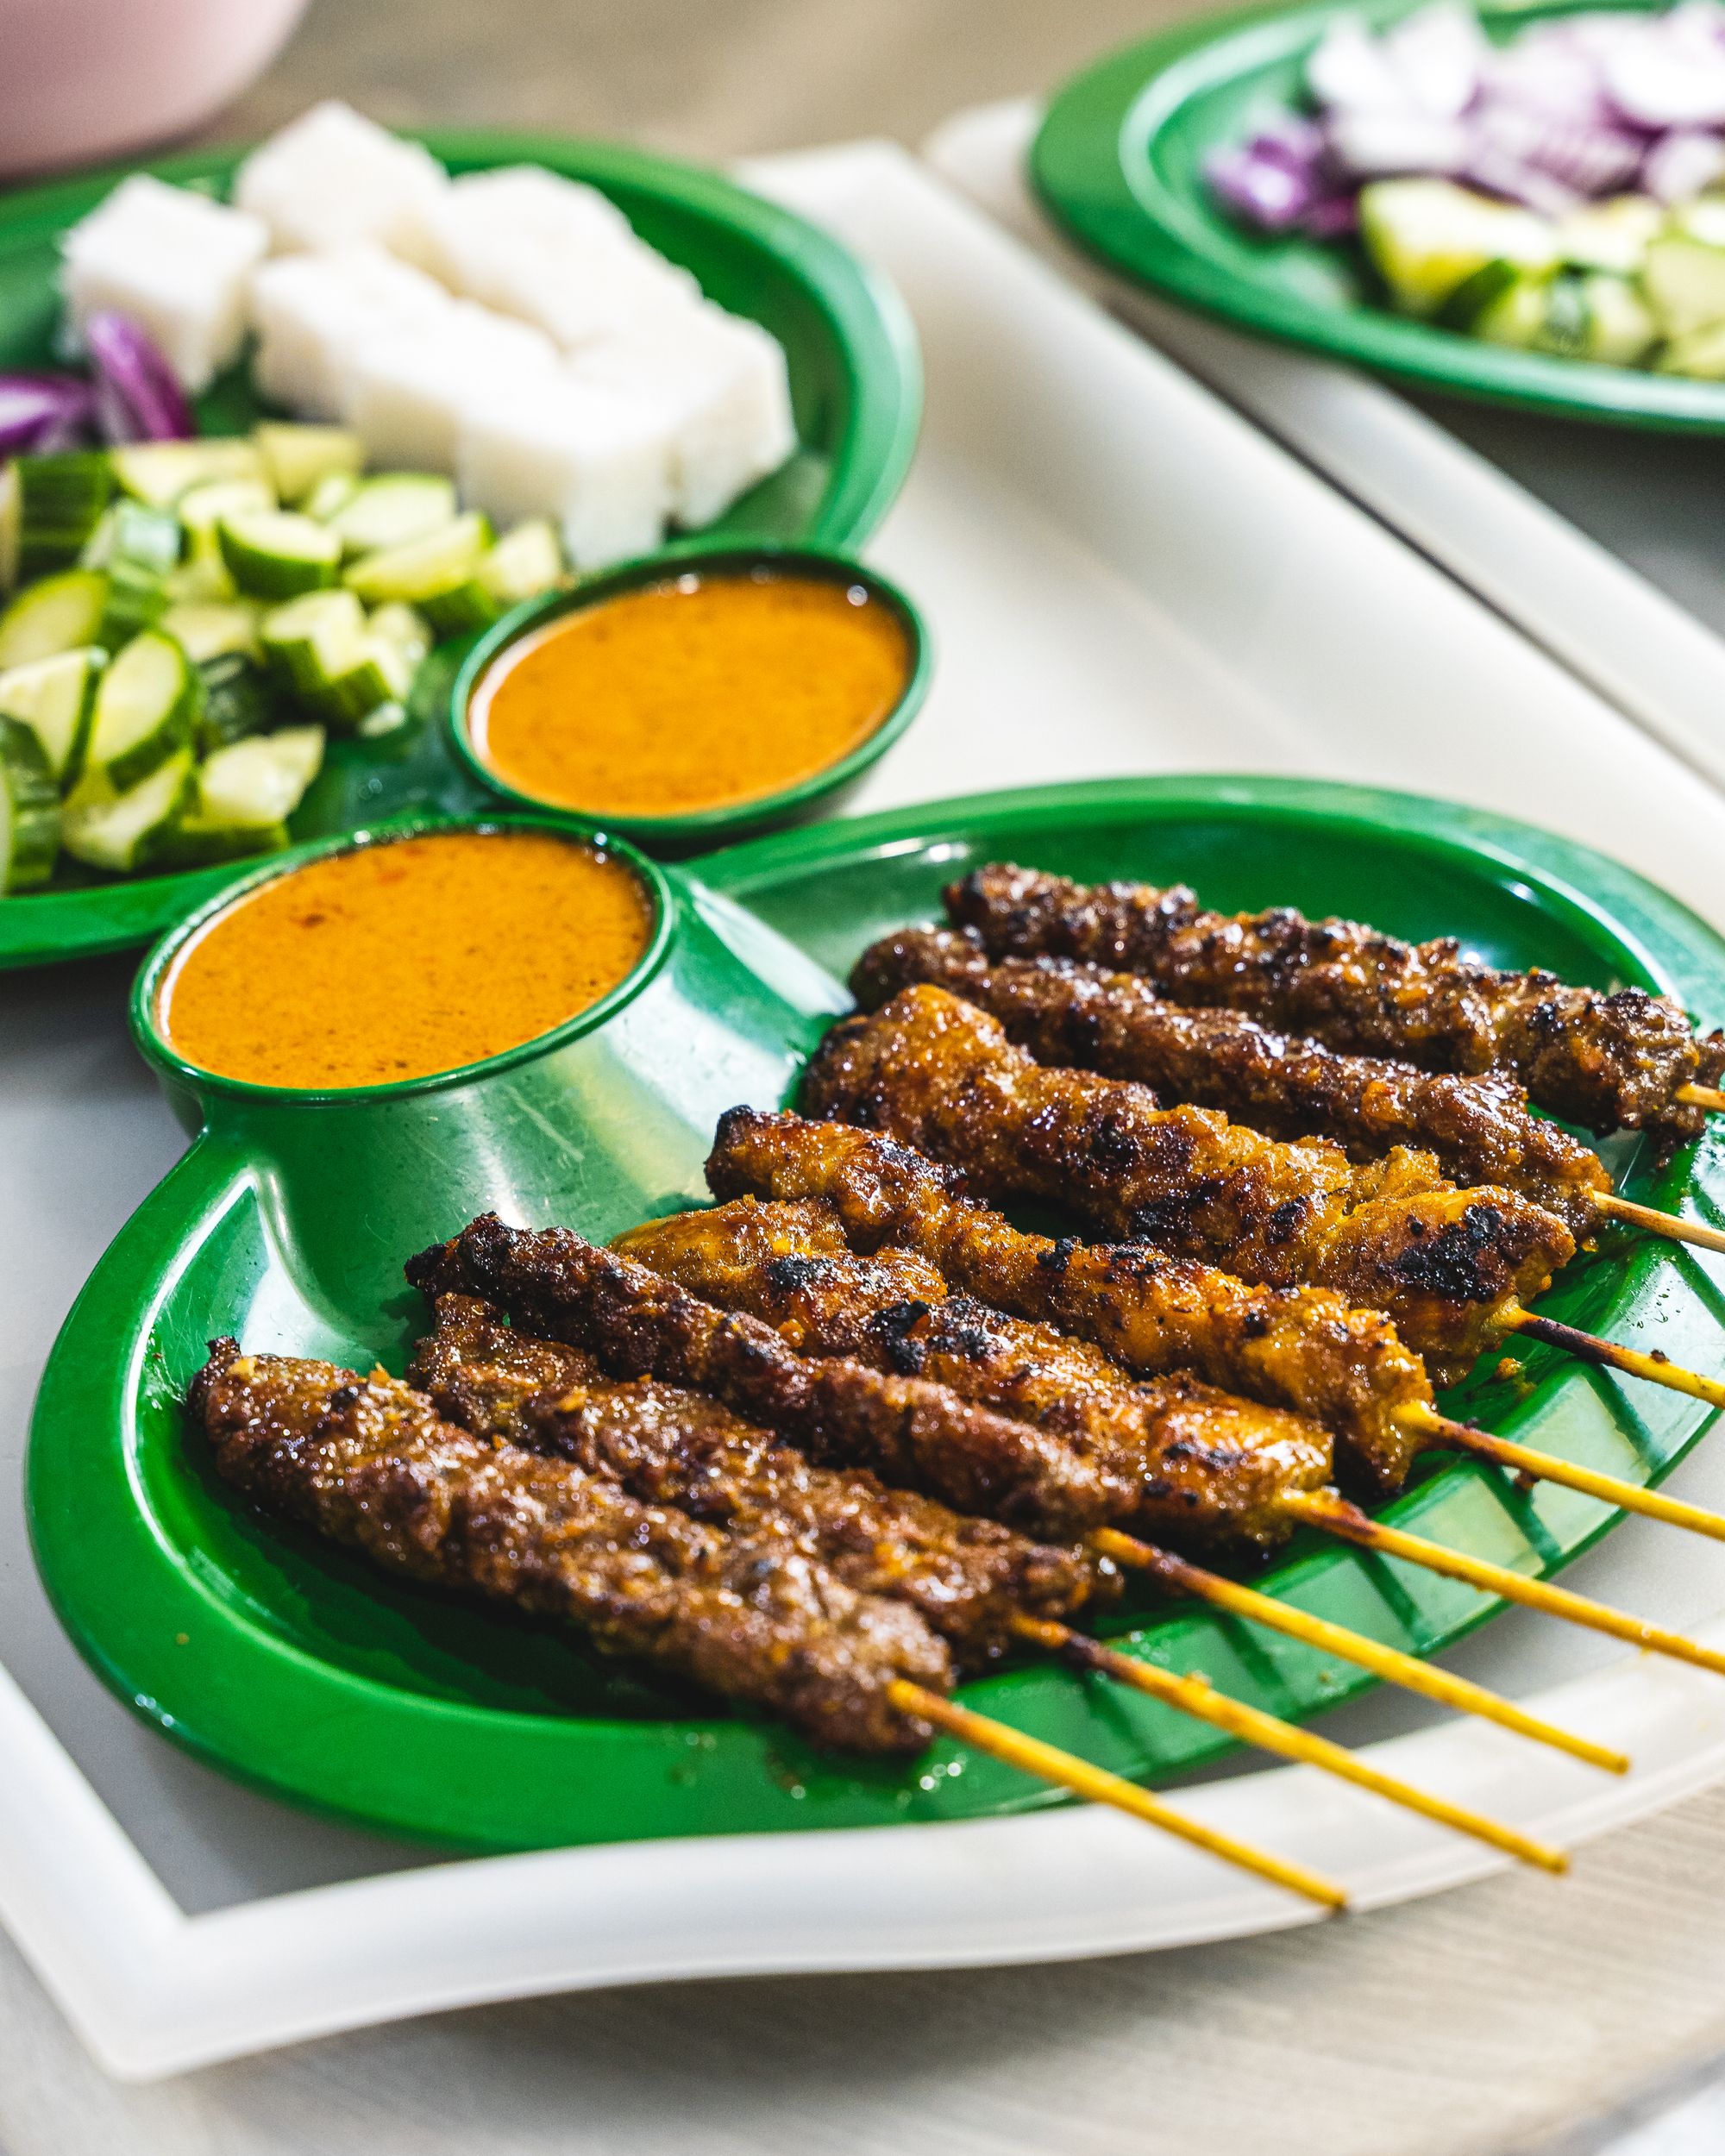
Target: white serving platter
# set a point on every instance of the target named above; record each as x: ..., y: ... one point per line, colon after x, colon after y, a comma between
x: 1124, y: 576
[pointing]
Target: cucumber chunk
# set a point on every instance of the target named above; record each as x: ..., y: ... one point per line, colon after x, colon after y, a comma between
x: 237, y: 701
x: 1683, y: 279
x: 1427, y: 237
x: 145, y: 705
x: 405, y: 628
x: 393, y: 509
x: 276, y: 554
x: 60, y: 501
x: 437, y: 574
x: 58, y: 614
x: 299, y: 458
x: 142, y: 547
x: 202, y: 508
x: 1700, y: 355
x: 312, y: 640
x: 161, y: 471
x: 241, y: 801
x: 107, y: 828
x: 54, y: 698
x: 525, y: 562
x: 29, y: 810
x: 380, y: 674
x: 8, y: 526
x: 211, y: 628
x: 333, y: 492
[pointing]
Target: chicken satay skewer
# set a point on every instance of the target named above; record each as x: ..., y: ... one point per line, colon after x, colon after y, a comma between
x: 1672, y: 1226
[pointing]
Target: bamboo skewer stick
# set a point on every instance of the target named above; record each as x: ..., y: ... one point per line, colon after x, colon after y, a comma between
x: 1548, y: 1467
x: 1672, y: 1226
x: 1196, y: 1697
x: 1179, y: 1575
x: 1651, y: 1363
x: 1047, y: 1763
x: 1701, y: 1097
x: 1336, y: 1516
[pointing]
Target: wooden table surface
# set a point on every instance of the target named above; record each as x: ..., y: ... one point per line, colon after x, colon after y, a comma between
x: 1515, y: 2017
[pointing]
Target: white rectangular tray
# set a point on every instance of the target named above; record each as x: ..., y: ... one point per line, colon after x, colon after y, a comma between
x: 1122, y: 576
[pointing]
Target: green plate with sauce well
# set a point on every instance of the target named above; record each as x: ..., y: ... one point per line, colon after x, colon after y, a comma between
x: 855, y: 386
x: 292, y: 1665
x: 1119, y: 163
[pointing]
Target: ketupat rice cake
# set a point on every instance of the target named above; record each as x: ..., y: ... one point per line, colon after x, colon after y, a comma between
x: 409, y: 384
x: 333, y: 177
x: 313, y: 311
x: 477, y: 209
x: 176, y: 262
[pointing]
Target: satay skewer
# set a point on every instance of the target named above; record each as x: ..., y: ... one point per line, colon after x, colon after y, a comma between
x: 1652, y: 1364
x: 1672, y: 1226
x: 1707, y: 1097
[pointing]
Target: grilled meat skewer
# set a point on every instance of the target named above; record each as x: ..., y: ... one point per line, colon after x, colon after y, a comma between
x: 1479, y: 1127
x: 1300, y: 1348
x: 366, y: 1462
x: 971, y: 1580
x: 1450, y: 1267
x: 1204, y: 1470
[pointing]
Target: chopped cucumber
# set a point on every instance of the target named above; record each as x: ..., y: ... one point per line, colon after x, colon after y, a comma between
x: 211, y: 628
x: 1611, y: 235
x: 1620, y: 329
x: 404, y: 627
x: 200, y: 508
x: 142, y: 546
x: 110, y: 829
x: 54, y: 698
x: 1700, y: 355
x: 1684, y: 282
x: 29, y: 810
x: 437, y: 574
x: 331, y: 493
x: 525, y: 562
x: 1516, y: 316
x: 161, y: 471
x: 58, y: 614
x: 312, y: 640
x: 1428, y: 236
x: 237, y: 701
x: 60, y: 501
x: 145, y: 705
x: 9, y: 525
x: 260, y: 781
x: 297, y: 458
x: 276, y: 554
x: 391, y: 510
x: 385, y: 720
x: 380, y: 674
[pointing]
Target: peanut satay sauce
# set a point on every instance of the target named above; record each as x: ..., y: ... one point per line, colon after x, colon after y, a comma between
x: 699, y: 692
x: 406, y: 958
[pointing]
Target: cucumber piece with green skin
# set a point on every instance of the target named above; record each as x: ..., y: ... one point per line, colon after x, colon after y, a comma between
x: 142, y: 547
x: 161, y: 471
x: 260, y: 783
x: 405, y: 627
x: 1699, y: 357
x: 312, y: 640
x: 146, y: 705
x: 1612, y: 236
x: 55, y: 698
x: 1427, y: 237
x: 526, y: 560
x: 380, y: 674
x: 60, y: 501
x: 200, y: 508
x: 58, y: 614
x: 334, y: 491
x: 437, y: 574
x: 107, y: 828
x: 29, y: 810
x: 278, y: 554
x: 1683, y: 279
x: 9, y: 525
x: 394, y: 509
x: 1620, y: 328
x: 299, y: 458
x: 211, y: 629
x: 238, y: 700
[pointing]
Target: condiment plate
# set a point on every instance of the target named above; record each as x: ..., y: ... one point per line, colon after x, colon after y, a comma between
x: 855, y: 386
x: 1119, y: 162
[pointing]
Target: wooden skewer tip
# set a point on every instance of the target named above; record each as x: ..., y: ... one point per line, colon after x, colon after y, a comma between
x: 1651, y: 1363
x: 1672, y: 1226
x: 1701, y: 1097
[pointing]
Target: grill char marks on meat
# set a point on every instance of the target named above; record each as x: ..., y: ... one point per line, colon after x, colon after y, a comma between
x: 1208, y: 1469
x: 368, y: 1462
x: 967, y: 1578
x: 1607, y: 1062
x: 1479, y: 1127
x: 1300, y: 1348
x: 912, y: 1433
x: 937, y: 1073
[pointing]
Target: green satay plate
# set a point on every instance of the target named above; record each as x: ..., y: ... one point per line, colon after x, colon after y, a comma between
x: 1120, y: 158
x: 292, y: 1665
x: 855, y: 386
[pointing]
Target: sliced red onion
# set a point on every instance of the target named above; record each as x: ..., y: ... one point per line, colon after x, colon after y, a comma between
x: 1439, y: 53
x: 1337, y: 217
x: 1383, y: 145
x: 1495, y: 173
x: 1559, y: 81
x: 1682, y: 164
x: 137, y: 398
x: 1349, y: 72
x: 1266, y: 192
x: 1592, y: 161
x: 40, y: 413
x: 1666, y: 78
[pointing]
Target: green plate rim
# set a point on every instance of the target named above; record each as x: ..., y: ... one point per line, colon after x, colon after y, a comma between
x: 263, y: 1710
x: 871, y: 330
x: 1090, y: 167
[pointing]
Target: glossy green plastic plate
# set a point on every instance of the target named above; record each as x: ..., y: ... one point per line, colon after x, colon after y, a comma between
x: 290, y: 1664
x: 1119, y: 163
x: 856, y: 385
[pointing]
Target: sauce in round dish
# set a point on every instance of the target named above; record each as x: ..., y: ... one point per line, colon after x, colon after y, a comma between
x: 695, y: 693
x: 404, y: 958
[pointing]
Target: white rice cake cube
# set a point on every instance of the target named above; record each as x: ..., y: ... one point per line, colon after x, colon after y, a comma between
x: 333, y: 177
x: 480, y: 211
x: 597, y: 459
x: 408, y: 384
x: 176, y: 261
x: 722, y: 383
x: 312, y: 312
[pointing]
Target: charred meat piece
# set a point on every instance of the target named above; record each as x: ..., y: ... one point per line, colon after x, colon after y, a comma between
x: 935, y: 1072
x: 1608, y: 1061
x: 1479, y: 1127
x: 1300, y: 1348
x: 368, y: 1462
x: 968, y: 1579
x: 913, y: 1434
x: 1208, y: 1469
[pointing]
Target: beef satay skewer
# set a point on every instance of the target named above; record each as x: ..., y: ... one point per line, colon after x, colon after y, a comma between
x: 978, y: 1584
x: 1449, y: 1266
x: 907, y: 1429
x: 366, y: 1461
x: 1623, y: 1061
x: 1479, y: 1126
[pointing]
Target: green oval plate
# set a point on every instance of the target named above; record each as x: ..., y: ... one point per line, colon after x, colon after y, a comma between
x: 1119, y: 163
x: 290, y: 1664
x: 856, y: 385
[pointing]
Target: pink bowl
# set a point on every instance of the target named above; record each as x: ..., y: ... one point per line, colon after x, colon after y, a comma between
x: 85, y: 80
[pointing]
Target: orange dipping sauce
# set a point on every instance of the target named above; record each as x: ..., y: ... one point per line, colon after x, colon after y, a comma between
x: 700, y: 692
x: 404, y: 958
